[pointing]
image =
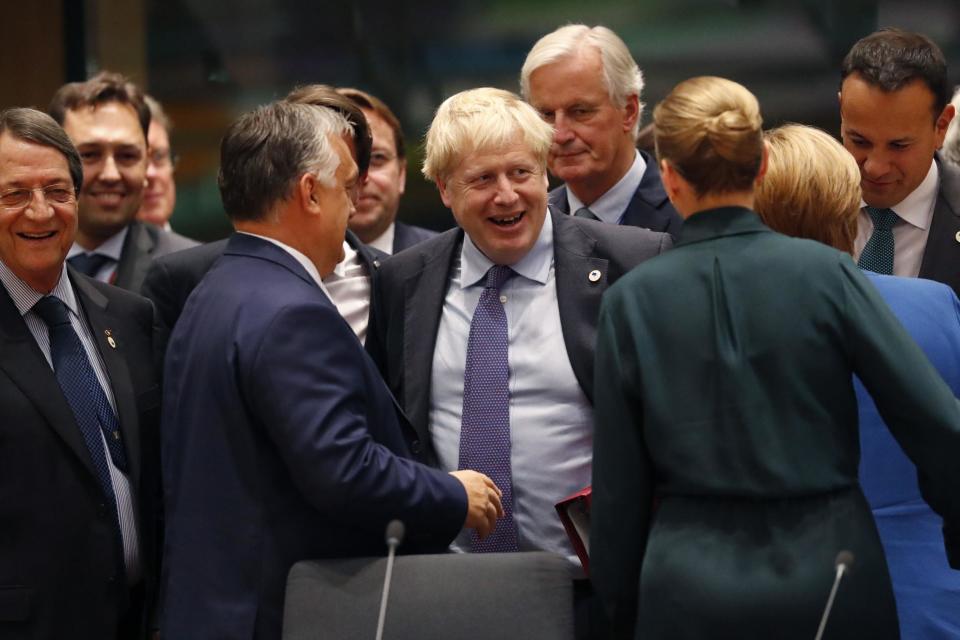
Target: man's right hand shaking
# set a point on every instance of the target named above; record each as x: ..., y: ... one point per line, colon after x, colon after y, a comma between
x: 483, y: 501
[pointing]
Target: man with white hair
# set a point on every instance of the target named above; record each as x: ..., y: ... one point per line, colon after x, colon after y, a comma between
x: 280, y: 440
x: 951, y: 142
x: 585, y: 83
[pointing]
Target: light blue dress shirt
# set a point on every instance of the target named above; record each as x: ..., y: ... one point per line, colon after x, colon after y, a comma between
x: 611, y: 206
x: 551, y: 420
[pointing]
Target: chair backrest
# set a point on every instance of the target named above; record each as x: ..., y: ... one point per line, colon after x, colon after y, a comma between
x: 448, y: 596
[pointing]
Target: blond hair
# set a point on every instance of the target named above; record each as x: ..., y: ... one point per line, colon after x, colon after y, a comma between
x: 482, y: 119
x: 710, y: 131
x: 811, y: 188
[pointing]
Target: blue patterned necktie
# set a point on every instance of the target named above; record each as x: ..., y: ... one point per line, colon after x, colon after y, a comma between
x: 84, y: 394
x: 584, y: 212
x: 485, y: 426
x: 877, y: 255
x: 89, y: 264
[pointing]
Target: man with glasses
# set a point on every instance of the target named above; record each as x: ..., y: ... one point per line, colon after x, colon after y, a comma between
x: 375, y: 221
x: 160, y: 195
x: 79, y: 400
x: 107, y: 120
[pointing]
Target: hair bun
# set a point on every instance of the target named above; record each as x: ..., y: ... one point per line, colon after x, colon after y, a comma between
x: 732, y: 134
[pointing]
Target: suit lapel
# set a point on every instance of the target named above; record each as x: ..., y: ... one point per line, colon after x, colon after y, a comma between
x: 557, y: 199
x: 647, y: 199
x: 581, y: 280
x: 941, y: 256
x: 135, y: 257
x: 24, y: 363
x: 103, y: 328
x: 424, y: 293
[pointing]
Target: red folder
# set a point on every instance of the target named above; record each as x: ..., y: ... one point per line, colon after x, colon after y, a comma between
x: 574, y: 513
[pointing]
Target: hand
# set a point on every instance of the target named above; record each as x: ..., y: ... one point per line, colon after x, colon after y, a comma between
x: 483, y: 501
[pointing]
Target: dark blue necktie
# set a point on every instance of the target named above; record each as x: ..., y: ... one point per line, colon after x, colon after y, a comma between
x: 89, y: 263
x: 83, y: 391
x: 877, y: 254
x: 485, y: 426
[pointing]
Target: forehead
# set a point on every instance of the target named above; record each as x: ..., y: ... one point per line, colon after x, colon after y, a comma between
x: 382, y: 132
x: 868, y: 110
x: 576, y: 76
x: 25, y: 162
x: 157, y: 135
x: 108, y: 123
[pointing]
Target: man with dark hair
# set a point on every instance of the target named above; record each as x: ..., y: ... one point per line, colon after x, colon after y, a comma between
x: 78, y: 520
x: 108, y: 121
x: 295, y: 449
x: 894, y: 115
x: 375, y: 221
x: 172, y: 278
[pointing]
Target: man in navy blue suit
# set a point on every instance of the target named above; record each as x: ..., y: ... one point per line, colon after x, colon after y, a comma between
x: 280, y: 439
x: 585, y: 83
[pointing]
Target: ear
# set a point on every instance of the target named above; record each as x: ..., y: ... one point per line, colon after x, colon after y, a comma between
x: 943, y: 122
x: 444, y: 194
x: 763, y: 163
x: 669, y: 178
x: 307, y: 192
x: 403, y: 175
x: 631, y: 112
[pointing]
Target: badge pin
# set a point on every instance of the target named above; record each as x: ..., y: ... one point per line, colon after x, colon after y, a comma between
x: 110, y: 340
x: 594, y: 275
x: 957, y: 236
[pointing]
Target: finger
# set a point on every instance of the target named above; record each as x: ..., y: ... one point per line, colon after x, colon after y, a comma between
x: 498, y: 505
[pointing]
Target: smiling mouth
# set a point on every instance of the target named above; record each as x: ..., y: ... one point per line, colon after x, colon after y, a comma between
x: 36, y: 236
x: 508, y: 222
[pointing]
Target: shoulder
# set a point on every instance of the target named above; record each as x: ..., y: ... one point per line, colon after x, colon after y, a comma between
x: 193, y: 259
x: 169, y: 242
x: 624, y: 244
x: 416, y: 258
x: 557, y: 198
x: 407, y: 235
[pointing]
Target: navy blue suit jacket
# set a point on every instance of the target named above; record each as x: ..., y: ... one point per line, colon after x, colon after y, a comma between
x: 407, y: 235
x: 649, y: 208
x: 941, y: 256
x: 280, y: 443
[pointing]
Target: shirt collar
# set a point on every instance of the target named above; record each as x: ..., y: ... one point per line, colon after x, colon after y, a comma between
x: 384, y: 241
x: 24, y: 296
x: 917, y: 207
x: 304, y: 261
x: 722, y: 221
x: 533, y: 266
x: 349, y: 256
x: 112, y: 247
x: 611, y: 206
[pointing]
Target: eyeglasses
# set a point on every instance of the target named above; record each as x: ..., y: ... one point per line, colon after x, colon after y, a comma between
x: 17, y: 199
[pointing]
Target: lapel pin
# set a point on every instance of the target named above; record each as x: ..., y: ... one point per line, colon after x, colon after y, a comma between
x: 957, y: 236
x: 110, y: 340
x: 594, y: 275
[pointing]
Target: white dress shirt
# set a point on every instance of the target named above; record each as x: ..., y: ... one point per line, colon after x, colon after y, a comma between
x: 384, y: 241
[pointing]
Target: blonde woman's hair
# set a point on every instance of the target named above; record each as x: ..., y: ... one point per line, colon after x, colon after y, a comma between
x: 710, y: 131
x: 811, y: 188
x: 482, y: 119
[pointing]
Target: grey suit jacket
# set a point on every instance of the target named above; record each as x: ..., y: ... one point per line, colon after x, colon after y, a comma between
x: 413, y: 285
x: 941, y: 257
x: 143, y: 244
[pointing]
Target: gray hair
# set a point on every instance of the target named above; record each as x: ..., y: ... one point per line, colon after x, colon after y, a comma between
x: 621, y: 75
x: 39, y: 128
x: 267, y: 150
x: 951, y: 142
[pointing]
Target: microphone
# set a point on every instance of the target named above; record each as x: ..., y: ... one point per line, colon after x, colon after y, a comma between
x: 843, y: 563
x: 395, y: 531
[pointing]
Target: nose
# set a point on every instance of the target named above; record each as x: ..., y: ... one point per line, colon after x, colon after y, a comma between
x: 562, y: 133
x: 875, y: 165
x: 38, y: 208
x: 506, y: 195
x: 109, y: 171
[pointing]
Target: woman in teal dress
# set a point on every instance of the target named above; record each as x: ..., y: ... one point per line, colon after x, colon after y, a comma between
x: 726, y: 444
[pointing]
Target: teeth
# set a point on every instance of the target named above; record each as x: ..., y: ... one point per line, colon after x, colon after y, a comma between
x: 506, y: 221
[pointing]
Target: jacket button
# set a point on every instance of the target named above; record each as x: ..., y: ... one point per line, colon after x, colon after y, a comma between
x: 415, y: 446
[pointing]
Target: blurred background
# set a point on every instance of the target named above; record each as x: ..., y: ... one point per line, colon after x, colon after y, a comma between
x: 209, y: 60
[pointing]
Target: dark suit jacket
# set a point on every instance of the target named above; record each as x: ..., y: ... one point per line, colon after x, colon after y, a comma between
x: 413, y: 285
x: 280, y: 443
x: 941, y: 256
x: 649, y: 208
x: 60, y: 575
x: 144, y: 244
x: 407, y: 235
x: 172, y: 278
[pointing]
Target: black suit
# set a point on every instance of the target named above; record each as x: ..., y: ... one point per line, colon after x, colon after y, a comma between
x: 171, y: 279
x: 649, y: 208
x: 60, y: 569
x: 407, y: 235
x: 411, y: 289
x: 941, y: 256
x: 144, y: 244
